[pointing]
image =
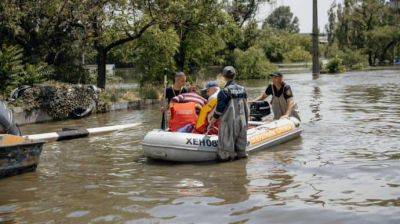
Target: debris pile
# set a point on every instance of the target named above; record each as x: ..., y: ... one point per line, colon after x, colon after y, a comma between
x: 60, y: 101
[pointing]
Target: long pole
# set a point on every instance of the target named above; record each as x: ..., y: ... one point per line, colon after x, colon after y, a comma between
x: 164, y: 116
x: 315, y: 35
x: 78, y: 133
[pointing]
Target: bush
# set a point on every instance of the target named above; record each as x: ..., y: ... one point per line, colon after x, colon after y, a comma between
x: 298, y: 54
x: 13, y: 73
x: 149, y: 92
x: 252, y: 64
x: 353, y: 59
x: 332, y: 50
x: 335, y: 65
x: 73, y: 74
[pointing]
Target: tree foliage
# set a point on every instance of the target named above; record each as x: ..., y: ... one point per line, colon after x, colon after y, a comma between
x: 252, y: 64
x: 282, y: 19
x: 14, y: 73
x: 187, y: 35
x: 243, y: 10
x: 298, y: 54
x: 368, y: 25
x: 156, y: 53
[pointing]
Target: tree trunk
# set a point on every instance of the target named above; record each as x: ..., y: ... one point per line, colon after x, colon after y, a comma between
x: 180, y: 57
x: 101, y: 68
x: 370, y: 62
x: 315, y: 40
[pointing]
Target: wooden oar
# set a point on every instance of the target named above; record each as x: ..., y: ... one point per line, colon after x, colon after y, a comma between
x: 78, y: 133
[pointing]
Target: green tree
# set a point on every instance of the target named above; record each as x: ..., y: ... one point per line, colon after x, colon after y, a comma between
x: 332, y: 23
x: 282, y: 19
x: 381, y: 42
x: 197, y: 25
x: 112, y: 23
x: 45, y: 30
x: 156, y: 52
x: 252, y: 64
x: 14, y: 73
x: 368, y: 25
x: 243, y: 10
x: 298, y: 54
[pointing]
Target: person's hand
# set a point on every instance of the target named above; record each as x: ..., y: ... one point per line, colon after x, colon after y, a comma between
x: 284, y: 116
x: 163, y: 109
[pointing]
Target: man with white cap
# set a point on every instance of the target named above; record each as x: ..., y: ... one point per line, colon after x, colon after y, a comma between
x: 233, y: 113
x: 207, y: 110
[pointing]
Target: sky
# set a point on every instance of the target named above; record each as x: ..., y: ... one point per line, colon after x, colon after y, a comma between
x: 303, y: 10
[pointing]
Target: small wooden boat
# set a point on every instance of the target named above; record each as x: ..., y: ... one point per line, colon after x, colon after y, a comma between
x: 189, y: 147
x: 18, y: 155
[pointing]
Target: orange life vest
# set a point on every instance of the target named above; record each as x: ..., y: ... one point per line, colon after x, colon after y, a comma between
x: 182, y: 114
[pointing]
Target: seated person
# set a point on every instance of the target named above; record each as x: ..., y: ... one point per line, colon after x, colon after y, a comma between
x: 189, y: 97
x: 207, y: 110
x: 184, y: 111
x: 183, y: 117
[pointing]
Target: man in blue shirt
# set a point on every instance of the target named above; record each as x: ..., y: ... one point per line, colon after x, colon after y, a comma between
x: 233, y: 112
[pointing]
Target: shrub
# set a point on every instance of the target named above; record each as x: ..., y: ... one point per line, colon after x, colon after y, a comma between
x: 252, y: 64
x: 149, y: 92
x: 335, y: 65
x: 73, y: 74
x: 331, y: 51
x: 298, y: 54
x: 353, y: 59
x: 13, y: 73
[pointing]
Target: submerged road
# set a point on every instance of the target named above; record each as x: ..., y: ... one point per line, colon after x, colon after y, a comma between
x: 344, y: 169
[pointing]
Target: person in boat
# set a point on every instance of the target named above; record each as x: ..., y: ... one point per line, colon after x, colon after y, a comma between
x: 283, y: 104
x: 207, y: 110
x: 233, y: 113
x: 177, y: 88
x: 184, y: 111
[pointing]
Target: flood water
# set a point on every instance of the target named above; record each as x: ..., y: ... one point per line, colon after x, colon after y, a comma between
x: 344, y: 169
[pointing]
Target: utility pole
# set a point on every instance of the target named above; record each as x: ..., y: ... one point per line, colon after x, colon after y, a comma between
x: 315, y: 37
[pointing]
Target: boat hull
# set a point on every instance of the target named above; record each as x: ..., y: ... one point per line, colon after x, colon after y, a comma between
x: 187, y: 147
x: 16, y: 159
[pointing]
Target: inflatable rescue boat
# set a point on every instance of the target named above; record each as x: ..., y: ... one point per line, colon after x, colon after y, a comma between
x: 188, y: 147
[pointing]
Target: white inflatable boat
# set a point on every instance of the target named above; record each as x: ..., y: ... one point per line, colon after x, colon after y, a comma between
x: 188, y: 147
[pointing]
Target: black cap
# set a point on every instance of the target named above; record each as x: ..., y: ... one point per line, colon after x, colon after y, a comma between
x: 229, y: 72
x: 276, y: 74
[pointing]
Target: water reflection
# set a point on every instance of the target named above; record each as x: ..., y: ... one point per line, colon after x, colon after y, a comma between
x: 315, y: 103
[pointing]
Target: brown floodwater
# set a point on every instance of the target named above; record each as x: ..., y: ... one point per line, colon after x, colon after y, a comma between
x: 344, y: 169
